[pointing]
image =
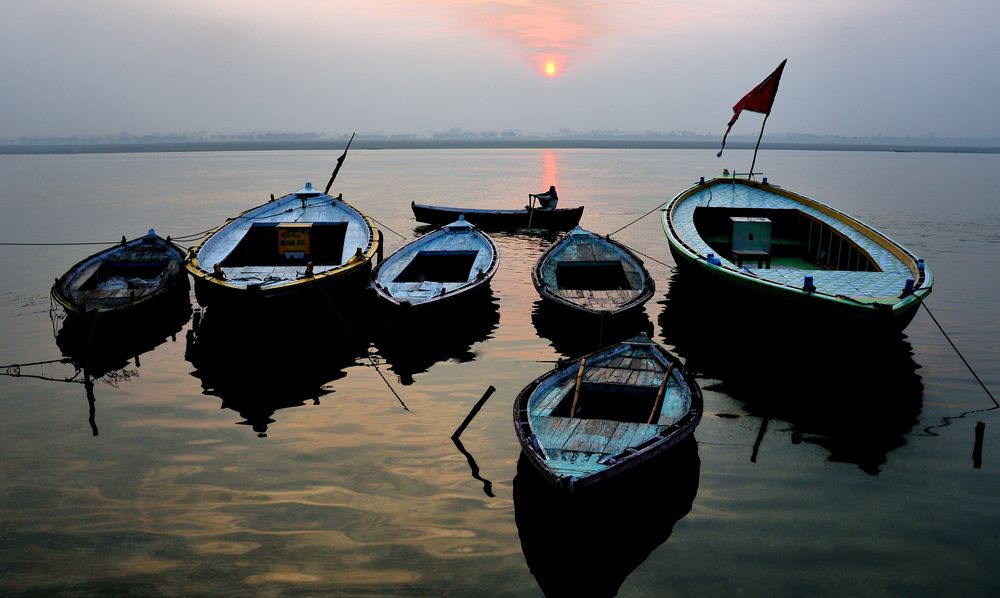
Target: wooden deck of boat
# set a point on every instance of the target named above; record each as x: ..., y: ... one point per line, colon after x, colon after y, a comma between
x: 864, y: 286
x: 584, y: 247
x: 599, y: 299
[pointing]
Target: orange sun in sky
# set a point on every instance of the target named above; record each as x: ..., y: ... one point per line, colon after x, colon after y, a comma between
x: 549, y: 65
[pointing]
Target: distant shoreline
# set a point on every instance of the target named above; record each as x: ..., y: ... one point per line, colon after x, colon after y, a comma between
x: 541, y: 143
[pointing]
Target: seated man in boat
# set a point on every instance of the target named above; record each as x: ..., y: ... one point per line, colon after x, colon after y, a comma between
x: 547, y: 200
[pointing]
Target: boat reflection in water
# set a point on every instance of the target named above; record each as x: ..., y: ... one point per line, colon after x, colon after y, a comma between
x: 413, y: 342
x: 261, y: 365
x: 857, y: 395
x: 587, y: 544
x: 108, y: 348
x: 572, y: 335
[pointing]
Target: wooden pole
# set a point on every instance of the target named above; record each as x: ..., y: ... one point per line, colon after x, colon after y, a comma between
x: 659, y: 394
x: 340, y: 162
x: 759, y: 137
x: 531, y: 208
x: 576, y: 393
x: 472, y: 414
x: 977, y: 449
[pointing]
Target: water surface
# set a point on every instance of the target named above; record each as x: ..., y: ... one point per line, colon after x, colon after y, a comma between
x: 279, y: 461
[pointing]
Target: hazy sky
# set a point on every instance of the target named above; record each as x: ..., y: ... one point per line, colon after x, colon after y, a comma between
x: 855, y: 67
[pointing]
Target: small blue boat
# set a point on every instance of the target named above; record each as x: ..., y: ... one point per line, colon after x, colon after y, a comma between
x: 440, y: 267
x: 614, y: 410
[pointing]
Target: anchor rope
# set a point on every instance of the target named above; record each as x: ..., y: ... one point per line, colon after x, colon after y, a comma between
x: 649, y: 257
x: 957, y: 352
x: 637, y: 219
x: 358, y: 344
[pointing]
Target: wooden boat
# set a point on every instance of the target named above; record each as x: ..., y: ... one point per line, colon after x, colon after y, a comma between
x: 589, y: 421
x: 131, y: 278
x: 526, y: 217
x: 594, y: 275
x: 438, y: 268
x: 792, y: 255
x: 306, y: 241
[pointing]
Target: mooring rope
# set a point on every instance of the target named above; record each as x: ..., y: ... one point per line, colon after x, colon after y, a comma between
x: 358, y: 344
x: 649, y: 257
x: 388, y: 229
x: 60, y: 244
x: 14, y: 371
x: 957, y: 352
x: 637, y: 219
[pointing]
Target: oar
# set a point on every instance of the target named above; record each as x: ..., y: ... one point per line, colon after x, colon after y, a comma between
x: 576, y: 393
x: 660, y: 393
x: 340, y: 162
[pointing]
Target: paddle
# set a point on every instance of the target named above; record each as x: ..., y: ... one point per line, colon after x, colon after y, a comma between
x: 340, y: 162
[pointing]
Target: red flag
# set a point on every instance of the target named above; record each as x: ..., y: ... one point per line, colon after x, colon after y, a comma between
x: 759, y: 99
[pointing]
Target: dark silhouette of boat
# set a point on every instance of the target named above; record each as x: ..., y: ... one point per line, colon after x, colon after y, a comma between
x: 526, y: 217
x: 858, y: 397
x: 261, y: 369
x: 588, y: 544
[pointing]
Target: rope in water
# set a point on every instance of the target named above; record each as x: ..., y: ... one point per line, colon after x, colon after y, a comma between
x: 649, y: 257
x: 637, y: 219
x: 959, y: 353
x: 354, y: 338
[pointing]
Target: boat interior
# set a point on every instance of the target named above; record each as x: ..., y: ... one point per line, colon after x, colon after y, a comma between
x: 617, y: 402
x: 439, y: 266
x: 289, y: 244
x: 787, y: 238
x: 596, y: 275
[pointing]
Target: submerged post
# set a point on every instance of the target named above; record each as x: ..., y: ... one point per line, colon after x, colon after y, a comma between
x: 977, y: 449
x: 472, y: 414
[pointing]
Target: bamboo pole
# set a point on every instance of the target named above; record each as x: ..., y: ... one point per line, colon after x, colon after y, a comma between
x: 759, y: 137
x: 576, y: 393
x: 659, y: 394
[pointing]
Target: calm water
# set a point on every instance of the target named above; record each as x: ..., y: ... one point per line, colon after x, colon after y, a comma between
x: 281, y: 462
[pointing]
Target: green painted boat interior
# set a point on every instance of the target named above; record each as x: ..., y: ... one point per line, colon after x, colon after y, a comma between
x: 439, y: 266
x: 797, y: 241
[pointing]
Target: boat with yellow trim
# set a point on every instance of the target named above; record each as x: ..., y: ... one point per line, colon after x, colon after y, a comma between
x: 799, y: 258
x: 305, y: 245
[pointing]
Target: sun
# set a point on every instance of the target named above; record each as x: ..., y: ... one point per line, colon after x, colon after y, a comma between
x: 549, y: 64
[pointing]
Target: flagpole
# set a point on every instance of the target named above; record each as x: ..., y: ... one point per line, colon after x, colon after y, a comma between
x: 759, y: 137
